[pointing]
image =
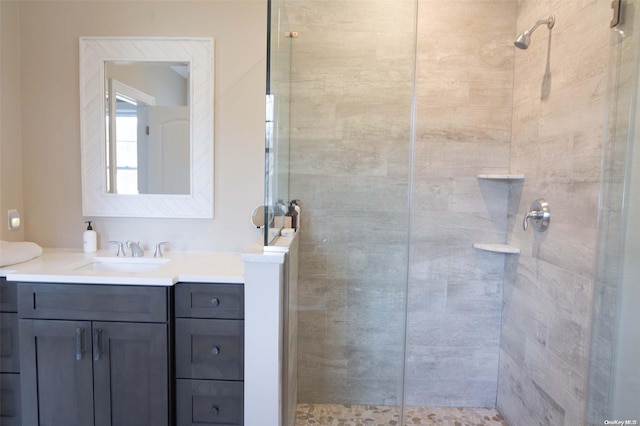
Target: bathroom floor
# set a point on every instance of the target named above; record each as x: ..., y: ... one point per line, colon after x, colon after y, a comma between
x: 368, y: 415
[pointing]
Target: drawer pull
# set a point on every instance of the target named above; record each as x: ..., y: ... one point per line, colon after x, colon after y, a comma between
x: 215, y: 302
x: 215, y: 411
x: 79, y: 343
x: 97, y: 349
x: 215, y: 350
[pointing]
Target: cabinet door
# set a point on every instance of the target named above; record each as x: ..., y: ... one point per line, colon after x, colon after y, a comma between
x: 56, y: 373
x: 9, y: 349
x: 8, y: 295
x: 131, y: 374
x: 10, y: 399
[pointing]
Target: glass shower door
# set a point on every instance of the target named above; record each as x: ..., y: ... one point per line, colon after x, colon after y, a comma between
x: 351, y: 131
x: 277, y: 127
x: 614, y: 372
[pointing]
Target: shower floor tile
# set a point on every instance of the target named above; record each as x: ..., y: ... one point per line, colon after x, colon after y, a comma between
x: 368, y: 415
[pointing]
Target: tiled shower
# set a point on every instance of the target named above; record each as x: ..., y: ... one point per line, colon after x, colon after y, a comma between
x: 398, y: 108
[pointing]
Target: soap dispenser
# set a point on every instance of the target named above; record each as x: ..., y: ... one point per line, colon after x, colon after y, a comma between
x: 296, y: 204
x: 89, y: 239
x: 291, y: 217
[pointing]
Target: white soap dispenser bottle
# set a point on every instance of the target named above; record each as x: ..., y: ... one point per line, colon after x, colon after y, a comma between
x: 89, y: 239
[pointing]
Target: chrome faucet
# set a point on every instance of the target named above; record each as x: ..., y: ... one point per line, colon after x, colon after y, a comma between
x: 136, y: 250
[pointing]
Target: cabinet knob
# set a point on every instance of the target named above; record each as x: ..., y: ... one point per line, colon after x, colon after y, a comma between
x: 215, y: 350
x: 215, y: 302
x: 215, y: 410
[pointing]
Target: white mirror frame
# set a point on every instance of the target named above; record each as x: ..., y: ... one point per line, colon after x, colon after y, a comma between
x: 198, y: 52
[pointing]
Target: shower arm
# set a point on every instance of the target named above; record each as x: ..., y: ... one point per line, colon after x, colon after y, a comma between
x: 549, y: 22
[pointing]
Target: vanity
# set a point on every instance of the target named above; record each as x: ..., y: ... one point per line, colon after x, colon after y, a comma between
x: 87, y: 346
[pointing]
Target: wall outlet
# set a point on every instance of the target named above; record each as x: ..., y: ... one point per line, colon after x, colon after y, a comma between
x: 14, y: 219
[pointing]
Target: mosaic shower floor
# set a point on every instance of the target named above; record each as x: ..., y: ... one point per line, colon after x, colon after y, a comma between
x: 367, y: 415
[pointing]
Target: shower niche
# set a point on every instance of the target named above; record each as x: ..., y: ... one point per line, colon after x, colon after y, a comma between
x: 509, y: 179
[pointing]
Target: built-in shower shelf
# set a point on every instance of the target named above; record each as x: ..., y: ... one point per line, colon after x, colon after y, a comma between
x: 497, y: 248
x: 501, y: 177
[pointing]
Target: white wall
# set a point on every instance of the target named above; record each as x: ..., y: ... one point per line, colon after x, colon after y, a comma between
x: 49, y: 32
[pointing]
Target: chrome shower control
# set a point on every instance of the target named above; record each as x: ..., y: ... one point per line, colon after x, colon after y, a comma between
x: 540, y: 216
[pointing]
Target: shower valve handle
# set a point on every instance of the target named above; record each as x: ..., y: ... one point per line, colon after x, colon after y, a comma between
x: 540, y: 215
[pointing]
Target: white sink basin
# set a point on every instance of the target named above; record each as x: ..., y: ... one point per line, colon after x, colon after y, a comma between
x: 122, y: 264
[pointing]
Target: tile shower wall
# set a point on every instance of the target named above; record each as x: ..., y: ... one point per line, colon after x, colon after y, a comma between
x: 352, y: 80
x: 482, y: 107
x: 463, y: 128
x: 558, y: 113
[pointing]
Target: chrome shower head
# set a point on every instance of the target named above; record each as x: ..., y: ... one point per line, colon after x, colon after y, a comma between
x: 523, y: 40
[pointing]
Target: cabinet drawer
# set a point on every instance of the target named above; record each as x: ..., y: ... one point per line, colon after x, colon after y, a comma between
x: 197, y: 300
x: 209, y: 402
x: 93, y: 302
x: 9, y: 346
x: 8, y: 296
x: 209, y: 349
x: 10, y: 400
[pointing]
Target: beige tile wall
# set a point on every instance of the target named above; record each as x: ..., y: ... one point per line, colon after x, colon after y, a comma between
x: 560, y: 87
x: 351, y: 109
x: 351, y: 139
x: 463, y: 128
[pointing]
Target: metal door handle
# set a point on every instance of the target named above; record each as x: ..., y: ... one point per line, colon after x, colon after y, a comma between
x: 97, y: 349
x: 79, y: 343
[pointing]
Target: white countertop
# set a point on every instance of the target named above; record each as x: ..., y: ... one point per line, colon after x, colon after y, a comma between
x: 71, y: 266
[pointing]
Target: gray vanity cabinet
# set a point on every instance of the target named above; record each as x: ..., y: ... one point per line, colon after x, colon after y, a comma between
x: 57, y: 374
x: 94, y: 354
x: 130, y: 374
x: 9, y: 356
x: 209, y: 349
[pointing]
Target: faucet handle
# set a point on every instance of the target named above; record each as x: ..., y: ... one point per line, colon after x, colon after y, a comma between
x: 121, y: 249
x: 158, y: 252
x: 539, y: 213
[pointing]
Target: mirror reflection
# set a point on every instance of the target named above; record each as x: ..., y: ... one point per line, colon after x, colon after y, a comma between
x: 147, y: 125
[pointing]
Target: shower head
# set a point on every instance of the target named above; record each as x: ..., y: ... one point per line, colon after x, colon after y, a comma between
x: 523, y: 40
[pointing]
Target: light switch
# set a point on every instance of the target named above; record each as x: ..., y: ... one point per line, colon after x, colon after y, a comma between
x: 14, y: 220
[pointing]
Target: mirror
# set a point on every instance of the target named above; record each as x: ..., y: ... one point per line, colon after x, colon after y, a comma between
x: 147, y: 126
